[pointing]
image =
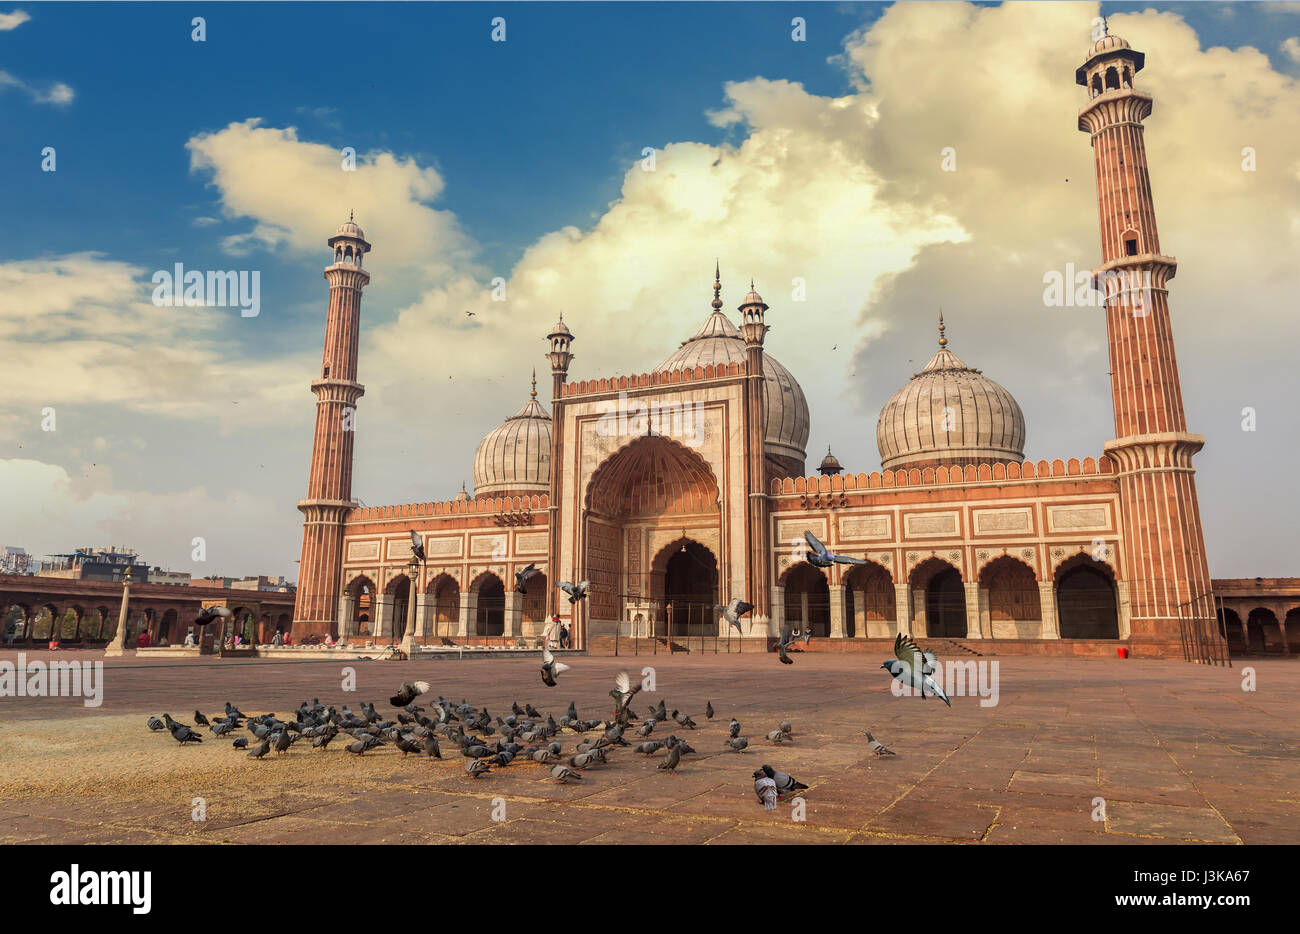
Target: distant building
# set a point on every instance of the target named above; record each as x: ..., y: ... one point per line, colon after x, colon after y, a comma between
x: 276, y: 584
x: 14, y: 560
x: 103, y: 564
x: 176, y: 578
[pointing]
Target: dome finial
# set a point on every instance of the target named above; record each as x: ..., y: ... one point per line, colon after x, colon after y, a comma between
x: 717, y: 286
x: 533, y: 394
x: 943, y: 341
x: 352, y: 214
x: 1105, y: 27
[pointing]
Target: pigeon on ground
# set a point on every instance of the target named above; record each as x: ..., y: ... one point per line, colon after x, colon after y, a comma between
x: 200, y: 720
x: 765, y: 788
x: 522, y: 577
x: 155, y: 724
x: 234, y: 713
x: 408, y: 692
x: 876, y: 746
x: 563, y: 774
x: 430, y: 747
x: 281, y: 742
x: 708, y: 710
x: 222, y: 727
x: 819, y: 557
x: 576, y: 591
x: 476, y: 767
x: 260, y: 750
x: 733, y: 729
x: 736, y: 742
x: 183, y: 734
x: 785, y: 642
x: 648, y: 748
x: 684, y: 720
x: 785, y: 784
x: 777, y: 737
x: 734, y: 610
x: 647, y: 727
x: 210, y: 613
x: 670, y: 762
x: 913, y: 667
x: 241, y: 743
x: 551, y: 668
x: 787, y: 728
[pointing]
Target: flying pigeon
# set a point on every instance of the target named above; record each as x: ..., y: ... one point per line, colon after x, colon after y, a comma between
x: 408, y: 692
x: 785, y: 784
x: 819, y: 557
x: 417, y: 547
x: 914, y: 667
x: 576, y: 591
x: 209, y: 613
x: 734, y: 610
x: 551, y: 668
x: 624, y: 691
x: 876, y: 746
x: 765, y: 788
x: 522, y: 577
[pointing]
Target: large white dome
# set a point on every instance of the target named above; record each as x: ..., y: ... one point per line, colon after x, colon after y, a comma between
x: 514, y: 459
x: 949, y: 414
x: 718, y: 342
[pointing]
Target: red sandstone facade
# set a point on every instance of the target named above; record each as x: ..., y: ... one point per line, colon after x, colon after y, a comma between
x: 668, y: 514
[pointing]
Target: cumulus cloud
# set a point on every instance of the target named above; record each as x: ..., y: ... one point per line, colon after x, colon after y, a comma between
x: 847, y: 194
x: 9, y: 21
x: 1291, y: 46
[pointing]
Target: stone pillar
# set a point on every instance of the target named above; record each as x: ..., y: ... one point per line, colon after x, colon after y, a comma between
x: 347, y: 615
x: 468, y: 614
x: 423, y: 612
x: 1125, y: 610
x: 973, y: 610
x: 383, y: 623
x: 903, y: 608
x: 837, y: 612
x: 514, y: 614
x: 408, y: 636
x: 1047, y: 605
x: 117, y: 647
x: 778, y: 614
x: 860, y: 614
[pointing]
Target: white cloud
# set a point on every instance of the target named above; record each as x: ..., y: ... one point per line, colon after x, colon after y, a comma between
x: 1291, y: 46
x: 53, y: 93
x: 9, y: 21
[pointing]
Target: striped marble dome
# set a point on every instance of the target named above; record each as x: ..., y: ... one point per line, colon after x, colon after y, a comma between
x: 949, y: 414
x: 514, y: 459
x: 719, y: 342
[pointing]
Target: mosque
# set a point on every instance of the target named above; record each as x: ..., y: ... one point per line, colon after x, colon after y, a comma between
x: 684, y: 486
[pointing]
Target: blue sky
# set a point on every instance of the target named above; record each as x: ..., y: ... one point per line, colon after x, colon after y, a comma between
x: 543, y: 132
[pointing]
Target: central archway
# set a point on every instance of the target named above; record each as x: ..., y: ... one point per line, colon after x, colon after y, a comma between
x: 945, y: 598
x: 649, y: 487
x: 490, y: 616
x: 807, y: 600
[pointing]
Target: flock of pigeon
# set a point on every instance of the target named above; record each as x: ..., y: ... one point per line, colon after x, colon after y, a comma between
x: 487, y: 742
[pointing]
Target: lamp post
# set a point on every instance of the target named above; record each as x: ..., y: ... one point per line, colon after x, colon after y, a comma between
x: 408, y: 637
x: 117, y: 647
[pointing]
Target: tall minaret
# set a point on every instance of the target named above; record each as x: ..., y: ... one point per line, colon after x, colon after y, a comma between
x: 560, y: 357
x: 329, y: 486
x: 1164, y: 548
x: 758, y: 574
